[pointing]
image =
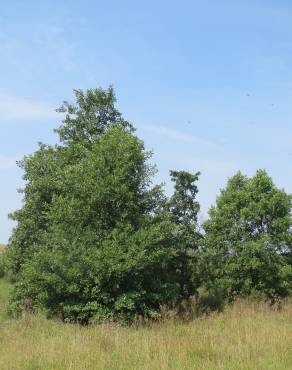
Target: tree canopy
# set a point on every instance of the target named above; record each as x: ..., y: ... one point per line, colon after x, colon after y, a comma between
x: 97, y: 240
x: 248, y: 237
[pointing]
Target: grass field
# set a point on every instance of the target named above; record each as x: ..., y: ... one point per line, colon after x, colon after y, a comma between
x: 243, y: 337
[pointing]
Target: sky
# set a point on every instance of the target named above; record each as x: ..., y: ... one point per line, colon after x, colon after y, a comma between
x: 208, y: 84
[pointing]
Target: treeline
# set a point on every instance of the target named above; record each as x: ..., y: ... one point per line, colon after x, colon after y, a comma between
x: 95, y: 239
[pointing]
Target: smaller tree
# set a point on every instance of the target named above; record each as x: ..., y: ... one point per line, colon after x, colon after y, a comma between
x: 248, y: 236
x: 184, y: 208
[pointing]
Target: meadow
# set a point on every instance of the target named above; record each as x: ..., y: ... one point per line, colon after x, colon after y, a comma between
x: 245, y: 336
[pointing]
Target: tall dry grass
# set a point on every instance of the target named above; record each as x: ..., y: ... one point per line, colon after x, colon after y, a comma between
x: 246, y: 336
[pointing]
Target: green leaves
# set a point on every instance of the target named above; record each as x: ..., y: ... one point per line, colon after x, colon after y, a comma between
x: 95, y: 240
x: 86, y: 120
x: 246, y: 236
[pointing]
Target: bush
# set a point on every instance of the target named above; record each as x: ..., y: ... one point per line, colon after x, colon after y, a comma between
x: 209, y: 300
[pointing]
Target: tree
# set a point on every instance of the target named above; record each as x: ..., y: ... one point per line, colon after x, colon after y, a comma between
x: 87, y: 119
x: 183, y: 204
x: 184, y: 208
x: 94, y: 240
x: 44, y: 170
x: 248, y: 238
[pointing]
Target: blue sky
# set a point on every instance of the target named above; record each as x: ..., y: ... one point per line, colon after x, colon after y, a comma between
x: 207, y: 83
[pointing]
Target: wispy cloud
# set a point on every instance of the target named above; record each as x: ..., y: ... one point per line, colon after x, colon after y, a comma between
x: 177, y: 135
x: 16, y: 108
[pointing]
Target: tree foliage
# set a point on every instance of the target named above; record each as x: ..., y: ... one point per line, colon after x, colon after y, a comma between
x: 248, y: 238
x: 184, y: 208
x: 87, y: 119
x: 95, y: 239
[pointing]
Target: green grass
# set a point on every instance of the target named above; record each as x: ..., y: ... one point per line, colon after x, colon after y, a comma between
x: 246, y: 336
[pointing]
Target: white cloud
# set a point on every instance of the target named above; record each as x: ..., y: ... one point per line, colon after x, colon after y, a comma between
x: 177, y: 135
x: 15, y: 108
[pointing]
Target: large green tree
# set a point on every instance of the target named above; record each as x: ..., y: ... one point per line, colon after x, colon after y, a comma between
x: 248, y: 238
x: 83, y: 123
x: 95, y: 240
